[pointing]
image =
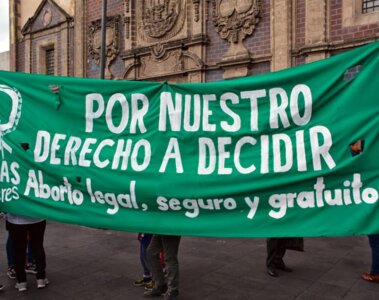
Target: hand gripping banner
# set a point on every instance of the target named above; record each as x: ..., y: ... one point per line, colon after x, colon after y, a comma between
x: 290, y: 153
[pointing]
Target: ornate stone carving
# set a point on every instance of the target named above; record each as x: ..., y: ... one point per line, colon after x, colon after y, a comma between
x: 196, y: 6
x: 168, y: 63
x: 47, y: 17
x: 161, y: 18
x: 158, y: 51
x: 234, y: 20
x: 127, y: 27
x: 111, y: 44
x: 127, y: 9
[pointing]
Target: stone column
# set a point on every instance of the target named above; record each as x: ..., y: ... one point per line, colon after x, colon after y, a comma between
x: 79, y: 39
x: 64, y: 49
x: 315, y: 29
x: 28, y: 62
x: 13, y: 35
x: 281, y: 34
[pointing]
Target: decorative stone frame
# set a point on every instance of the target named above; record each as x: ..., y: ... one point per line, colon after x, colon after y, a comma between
x: 177, y: 55
x: 352, y: 14
x: 41, y: 48
x: 112, y: 42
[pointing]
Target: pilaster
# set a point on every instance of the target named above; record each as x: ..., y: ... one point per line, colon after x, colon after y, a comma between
x: 281, y: 34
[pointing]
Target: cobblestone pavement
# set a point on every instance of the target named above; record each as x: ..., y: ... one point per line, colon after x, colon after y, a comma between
x: 87, y: 263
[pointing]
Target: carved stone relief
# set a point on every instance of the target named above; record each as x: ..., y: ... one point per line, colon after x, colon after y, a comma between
x: 162, y: 45
x: 234, y: 20
x: 111, y: 43
x: 47, y: 17
x: 196, y: 6
x: 160, y: 19
x: 163, y: 62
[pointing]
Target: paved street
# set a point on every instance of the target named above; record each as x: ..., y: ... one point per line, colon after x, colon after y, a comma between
x: 86, y: 263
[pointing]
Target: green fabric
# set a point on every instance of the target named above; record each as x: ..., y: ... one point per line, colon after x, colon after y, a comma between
x: 260, y: 156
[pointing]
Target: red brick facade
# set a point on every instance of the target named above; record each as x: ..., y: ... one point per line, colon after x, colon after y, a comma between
x: 260, y: 46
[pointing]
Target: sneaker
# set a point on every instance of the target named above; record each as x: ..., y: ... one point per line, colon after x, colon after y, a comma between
x: 143, y: 281
x: 149, y: 286
x: 31, y: 268
x: 155, y: 292
x: 171, y: 295
x: 11, y: 273
x: 21, y: 286
x: 41, y: 283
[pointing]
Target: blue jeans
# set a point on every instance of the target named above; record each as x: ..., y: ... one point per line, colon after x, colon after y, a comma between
x: 374, y: 244
x: 144, y: 243
x: 144, y: 262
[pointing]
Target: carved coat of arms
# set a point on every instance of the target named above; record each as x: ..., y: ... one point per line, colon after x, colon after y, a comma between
x: 160, y: 16
x: 234, y: 20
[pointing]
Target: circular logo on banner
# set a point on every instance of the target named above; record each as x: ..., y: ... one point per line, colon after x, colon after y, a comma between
x: 9, y: 124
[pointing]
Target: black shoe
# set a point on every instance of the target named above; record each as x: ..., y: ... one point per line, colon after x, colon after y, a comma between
x: 155, y: 292
x: 171, y: 295
x: 271, y: 271
x: 284, y: 268
x: 143, y: 281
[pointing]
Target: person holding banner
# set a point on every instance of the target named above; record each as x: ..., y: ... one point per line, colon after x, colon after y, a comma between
x: 373, y: 276
x: 19, y: 229
x: 169, y: 244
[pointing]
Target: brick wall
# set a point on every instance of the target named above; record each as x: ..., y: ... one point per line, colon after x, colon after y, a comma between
x: 214, y: 75
x: 94, y: 10
x: 346, y: 34
x: 217, y: 46
x: 300, y: 24
x: 20, y: 61
x: 258, y: 43
x: 71, y: 61
x: 259, y: 68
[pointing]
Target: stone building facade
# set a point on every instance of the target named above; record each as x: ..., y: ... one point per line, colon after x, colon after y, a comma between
x: 4, y: 61
x: 184, y: 40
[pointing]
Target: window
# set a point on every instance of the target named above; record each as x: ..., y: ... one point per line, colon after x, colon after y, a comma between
x: 370, y: 6
x: 359, y: 12
x: 50, y: 55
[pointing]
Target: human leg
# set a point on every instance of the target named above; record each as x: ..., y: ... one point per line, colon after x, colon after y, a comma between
x: 272, y: 245
x: 170, y: 250
x: 153, y: 251
x: 36, y: 235
x: 30, y: 266
x: 373, y: 275
x: 145, y: 242
x: 18, y: 234
x: 30, y: 258
x: 147, y: 276
x: 11, y: 273
x: 374, y: 244
x: 9, y: 248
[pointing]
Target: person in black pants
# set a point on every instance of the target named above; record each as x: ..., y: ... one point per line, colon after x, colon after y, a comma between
x: 169, y: 244
x: 276, y: 249
x: 19, y: 229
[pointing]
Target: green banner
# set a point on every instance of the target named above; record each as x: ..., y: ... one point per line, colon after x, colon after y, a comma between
x: 290, y: 153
